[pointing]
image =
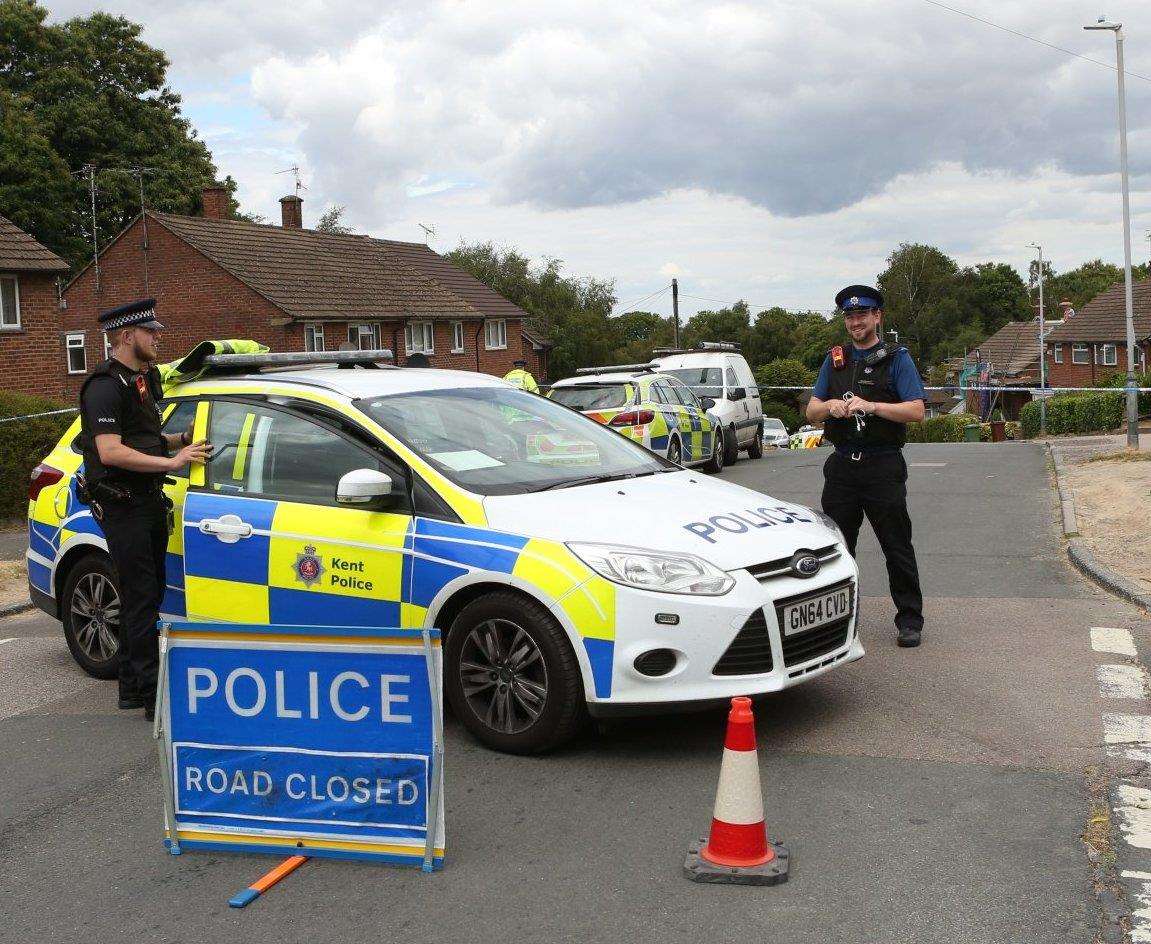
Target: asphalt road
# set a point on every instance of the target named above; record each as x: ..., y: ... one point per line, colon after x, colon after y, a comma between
x: 930, y: 795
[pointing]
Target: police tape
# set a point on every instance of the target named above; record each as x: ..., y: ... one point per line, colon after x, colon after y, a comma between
x: 36, y: 416
x: 977, y: 388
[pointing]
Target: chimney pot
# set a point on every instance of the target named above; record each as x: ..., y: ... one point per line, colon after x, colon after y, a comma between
x: 216, y: 202
x: 291, y: 212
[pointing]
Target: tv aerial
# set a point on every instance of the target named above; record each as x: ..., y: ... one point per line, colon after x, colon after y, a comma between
x: 295, y: 171
x: 429, y: 232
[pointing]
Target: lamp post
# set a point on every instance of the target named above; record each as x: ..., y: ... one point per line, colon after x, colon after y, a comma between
x: 1042, y: 350
x: 1132, y: 399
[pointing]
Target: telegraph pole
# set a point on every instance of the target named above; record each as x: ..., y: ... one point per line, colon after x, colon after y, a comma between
x: 675, y: 308
x: 1042, y: 350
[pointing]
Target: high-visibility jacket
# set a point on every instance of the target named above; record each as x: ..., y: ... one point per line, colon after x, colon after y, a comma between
x: 522, y: 379
x: 191, y: 365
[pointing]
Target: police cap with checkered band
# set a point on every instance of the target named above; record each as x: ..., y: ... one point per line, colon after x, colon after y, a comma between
x: 858, y: 298
x: 141, y: 314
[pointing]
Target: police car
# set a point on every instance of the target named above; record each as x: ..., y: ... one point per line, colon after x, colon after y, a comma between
x: 655, y: 410
x: 572, y: 570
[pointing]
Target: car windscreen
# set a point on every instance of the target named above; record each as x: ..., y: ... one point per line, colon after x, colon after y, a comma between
x: 593, y: 396
x: 774, y: 424
x: 705, y: 381
x: 503, y: 441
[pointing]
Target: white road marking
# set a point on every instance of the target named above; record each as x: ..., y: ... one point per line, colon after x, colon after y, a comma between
x: 927, y: 465
x: 1120, y: 681
x: 1113, y: 639
x: 1142, y: 876
x: 1133, y: 814
x: 9, y: 639
x: 1128, y: 736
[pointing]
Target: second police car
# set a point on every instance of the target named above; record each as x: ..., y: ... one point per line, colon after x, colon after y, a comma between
x: 440, y: 498
x: 654, y: 410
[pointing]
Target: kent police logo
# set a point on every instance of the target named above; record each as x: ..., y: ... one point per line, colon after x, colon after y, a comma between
x: 854, y: 300
x: 309, y: 567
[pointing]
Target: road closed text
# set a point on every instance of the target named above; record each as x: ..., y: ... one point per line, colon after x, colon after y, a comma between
x: 297, y: 785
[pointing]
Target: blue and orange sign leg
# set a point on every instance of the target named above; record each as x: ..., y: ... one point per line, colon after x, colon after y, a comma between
x: 262, y: 884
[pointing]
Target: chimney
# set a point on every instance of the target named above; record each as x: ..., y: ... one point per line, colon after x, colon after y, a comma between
x: 291, y: 212
x: 216, y: 202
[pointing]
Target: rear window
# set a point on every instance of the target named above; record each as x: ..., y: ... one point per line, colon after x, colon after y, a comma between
x: 593, y: 396
x: 705, y: 381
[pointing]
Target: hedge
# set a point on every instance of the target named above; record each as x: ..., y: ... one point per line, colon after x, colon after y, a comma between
x: 23, y: 444
x: 947, y: 428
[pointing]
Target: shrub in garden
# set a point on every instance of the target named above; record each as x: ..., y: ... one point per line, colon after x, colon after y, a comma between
x: 23, y: 444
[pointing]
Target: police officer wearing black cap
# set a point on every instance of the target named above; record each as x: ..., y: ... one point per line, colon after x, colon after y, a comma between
x: 865, y: 396
x: 126, y: 456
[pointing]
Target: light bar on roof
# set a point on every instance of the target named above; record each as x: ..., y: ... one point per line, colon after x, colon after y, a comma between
x: 296, y: 358
x: 615, y: 368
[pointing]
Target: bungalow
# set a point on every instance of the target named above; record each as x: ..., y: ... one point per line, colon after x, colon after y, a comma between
x: 1091, y: 346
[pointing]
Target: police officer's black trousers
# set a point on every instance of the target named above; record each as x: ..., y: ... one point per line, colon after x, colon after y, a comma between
x: 137, y: 533
x: 876, y: 486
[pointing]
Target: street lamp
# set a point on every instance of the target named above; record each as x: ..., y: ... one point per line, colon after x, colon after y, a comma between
x: 1042, y: 350
x: 1132, y: 399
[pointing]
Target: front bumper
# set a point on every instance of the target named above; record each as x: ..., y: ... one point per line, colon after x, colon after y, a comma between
x: 707, y: 627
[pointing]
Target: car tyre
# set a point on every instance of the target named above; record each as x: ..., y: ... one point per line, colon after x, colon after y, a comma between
x: 675, y: 451
x: 731, y: 444
x: 755, y: 447
x: 511, y: 677
x: 90, y: 612
x: 714, y: 465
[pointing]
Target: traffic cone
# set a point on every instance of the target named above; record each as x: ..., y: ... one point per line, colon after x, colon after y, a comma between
x: 738, y: 851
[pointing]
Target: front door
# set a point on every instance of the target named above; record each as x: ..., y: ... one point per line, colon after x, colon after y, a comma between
x: 264, y: 538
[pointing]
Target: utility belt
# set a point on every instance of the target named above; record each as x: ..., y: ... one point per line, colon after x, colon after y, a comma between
x: 105, y: 493
x: 862, y: 455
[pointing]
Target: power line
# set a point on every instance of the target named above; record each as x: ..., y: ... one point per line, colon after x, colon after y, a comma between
x: 630, y: 306
x: 1034, y: 39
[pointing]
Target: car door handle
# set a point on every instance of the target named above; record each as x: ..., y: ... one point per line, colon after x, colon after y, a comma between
x: 227, y: 528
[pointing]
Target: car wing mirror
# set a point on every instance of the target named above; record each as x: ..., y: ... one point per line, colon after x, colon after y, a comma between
x: 737, y: 393
x: 707, y: 402
x: 365, y: 488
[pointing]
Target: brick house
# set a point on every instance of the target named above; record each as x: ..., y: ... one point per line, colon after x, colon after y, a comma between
x: 1091, y: 345
x: 1008, y: 358
x: 35, y: 354
x: 296, y: 289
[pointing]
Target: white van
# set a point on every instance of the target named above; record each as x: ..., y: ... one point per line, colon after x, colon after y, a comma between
x: 717, y: 370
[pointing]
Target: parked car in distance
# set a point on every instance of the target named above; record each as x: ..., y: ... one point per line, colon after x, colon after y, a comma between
x: 716, y: 369
x: 775, y: 433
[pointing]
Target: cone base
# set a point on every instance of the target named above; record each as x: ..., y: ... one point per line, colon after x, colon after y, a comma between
x: 773, y: 872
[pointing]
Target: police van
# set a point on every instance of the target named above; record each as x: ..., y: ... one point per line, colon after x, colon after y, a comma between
x: 717, y: 370
x: 572, y: 570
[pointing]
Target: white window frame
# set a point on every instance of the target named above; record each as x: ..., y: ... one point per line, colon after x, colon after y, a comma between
x: 358, y: 330
x: 70, y: 346
x: 1080, y: 349
x: 1057, y: 349
x: 1113, y: 349
x: 5, y: 324
x: 457, y: 337
x: 500, y: 333
x: 419, y: 337
x: 314, y: 337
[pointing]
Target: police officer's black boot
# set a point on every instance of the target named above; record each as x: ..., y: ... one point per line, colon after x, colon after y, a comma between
x: 909, y: 637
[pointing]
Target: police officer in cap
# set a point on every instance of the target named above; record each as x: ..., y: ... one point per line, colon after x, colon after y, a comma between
x: 865, y: 396
x: 521, y: 377
x: 126, y: 456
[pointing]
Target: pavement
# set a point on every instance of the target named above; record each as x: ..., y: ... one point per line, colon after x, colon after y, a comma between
x: 13, y: 543
x: 928, y: 795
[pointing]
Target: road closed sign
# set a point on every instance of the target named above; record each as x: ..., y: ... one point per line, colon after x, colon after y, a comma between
x: 322, y: 741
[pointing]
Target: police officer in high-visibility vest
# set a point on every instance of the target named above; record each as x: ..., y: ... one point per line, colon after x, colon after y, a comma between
x: 521, y: 377
x: 865, y: 396
x: 126, y: 456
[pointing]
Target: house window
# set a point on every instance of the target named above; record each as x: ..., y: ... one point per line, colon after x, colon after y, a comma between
x: 1109, y: 355
x: 457, y: 337
x: 77, y: 356
x: 1080, y: 354
x: 9, y: 302
x: 496, y: 335
x: 1058, y: 349
x: 313, y: 337
x: 419, y: 338
x: 365, y: 337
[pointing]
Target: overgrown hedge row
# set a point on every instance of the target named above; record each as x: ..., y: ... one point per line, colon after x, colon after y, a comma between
x: 23, y: 444
x: 1085, y: 412
x: 947, y: 428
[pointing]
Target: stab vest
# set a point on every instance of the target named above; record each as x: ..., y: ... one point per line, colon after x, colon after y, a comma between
x: 870, y: 379
x: 140, y: 423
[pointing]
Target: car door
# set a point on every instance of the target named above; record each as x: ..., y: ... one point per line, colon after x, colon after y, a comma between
x: 179, y: 416
x: 265, y: 540
x: 693, y: 420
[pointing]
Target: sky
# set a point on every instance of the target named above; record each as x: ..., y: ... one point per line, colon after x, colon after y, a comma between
x: 770, y: 151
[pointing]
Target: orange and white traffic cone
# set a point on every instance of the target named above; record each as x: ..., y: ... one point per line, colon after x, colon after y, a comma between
x: 738, y: 851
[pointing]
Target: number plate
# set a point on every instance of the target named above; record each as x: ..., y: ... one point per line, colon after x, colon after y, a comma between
x: 814, y: 611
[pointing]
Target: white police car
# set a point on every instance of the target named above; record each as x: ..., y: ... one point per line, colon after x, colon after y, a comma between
x: 571, y: 569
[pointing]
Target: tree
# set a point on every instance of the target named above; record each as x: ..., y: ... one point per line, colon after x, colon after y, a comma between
x: 330, y: 222
x: 727, y: 324
x: 637, y: 334
x: 89, y: 91
x: 917, y: 279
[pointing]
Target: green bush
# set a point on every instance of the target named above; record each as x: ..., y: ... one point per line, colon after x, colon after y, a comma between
x: 23, y: 444
x: 784, y: 412
x: 1075, y: 413
x: 947, y: 428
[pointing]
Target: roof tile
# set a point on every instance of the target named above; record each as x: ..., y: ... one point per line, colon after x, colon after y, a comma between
x: 19, y: 252
x: 1104, y: 318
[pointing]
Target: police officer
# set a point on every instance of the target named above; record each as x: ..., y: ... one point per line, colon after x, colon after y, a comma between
x: 865, y: 396
x: 521, y: 377
x: 126, y: 457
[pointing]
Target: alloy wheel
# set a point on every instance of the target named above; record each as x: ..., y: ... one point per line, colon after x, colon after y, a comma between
x: 504, y: 678
x: 95, y: 609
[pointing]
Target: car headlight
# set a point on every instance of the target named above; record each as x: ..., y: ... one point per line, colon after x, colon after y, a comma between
x: 654, y: 570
